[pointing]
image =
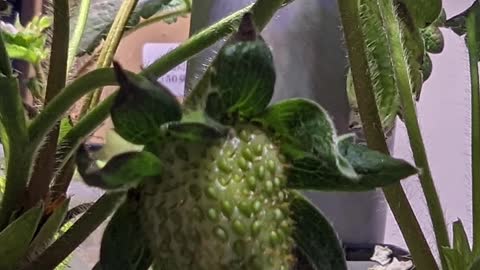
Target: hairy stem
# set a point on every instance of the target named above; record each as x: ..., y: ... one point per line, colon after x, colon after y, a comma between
x: 80, y: 230
x: 109, y: 48
x: 78, y: 32
x: 402, y: 76
x: 474, y: 78
x: 44, y: 166
x: 375, y: 137
x: 161, y: 16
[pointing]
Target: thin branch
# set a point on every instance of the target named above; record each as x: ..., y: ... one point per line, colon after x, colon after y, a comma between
x: 78, y: 32
x: 402, y: 76
x: 474, y: 78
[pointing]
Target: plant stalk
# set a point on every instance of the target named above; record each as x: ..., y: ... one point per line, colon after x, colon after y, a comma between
x: 80, y: 230
x: 395, y: 195
x: 402, y: 76
x: 78, y: 32
x: 109, y: 48
x: 475, y: 103
x: 19, y: 155
x: 45, y: 161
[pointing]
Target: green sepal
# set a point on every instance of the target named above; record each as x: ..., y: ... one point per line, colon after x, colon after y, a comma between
x: 49, y: 229
x: 434, y: 41
x: 424, y: 12
x: 15, y: 238
x: 315, y: 236
x: 121, y: 172
x: 305, y: 133
x: 124, y: 246
x: 240, y: 82
x: 141, y: 108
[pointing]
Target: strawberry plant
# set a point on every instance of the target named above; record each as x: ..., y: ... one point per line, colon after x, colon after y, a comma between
x: 214, y: 182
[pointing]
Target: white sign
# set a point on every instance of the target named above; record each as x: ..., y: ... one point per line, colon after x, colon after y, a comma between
x: 173, y: 80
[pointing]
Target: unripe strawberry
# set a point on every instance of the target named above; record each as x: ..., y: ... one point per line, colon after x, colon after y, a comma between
x: 220, y: 205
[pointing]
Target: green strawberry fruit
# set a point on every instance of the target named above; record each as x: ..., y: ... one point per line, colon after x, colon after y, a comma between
x: 220, y: 205
x: 216, y: 182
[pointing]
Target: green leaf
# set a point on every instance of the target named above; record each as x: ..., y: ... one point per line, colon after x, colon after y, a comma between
x: 23, y: 53
x: 121, y: 172
x: 240, y: 81
x: 453, y: 259
x: 15, y: 238
x: 415, y: 48
x: 141, y: 108
x: 301, y: 123
x: 315, y: 236
x: 434, y: 41
x: 475, y: 265
x: 373, y: 168
x: 376, y: 169
x: 49, y: 229
x: 101, y: 16
x: 460, y: 242
x: 124, y: 245
x: 424, y: 12
x: 66, y: 125
x: 29, y: 43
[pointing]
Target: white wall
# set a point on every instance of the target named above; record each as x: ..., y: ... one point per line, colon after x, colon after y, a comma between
x: 444, y: 112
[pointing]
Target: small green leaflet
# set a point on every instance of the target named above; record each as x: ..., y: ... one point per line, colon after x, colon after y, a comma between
x: 315, y: 236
